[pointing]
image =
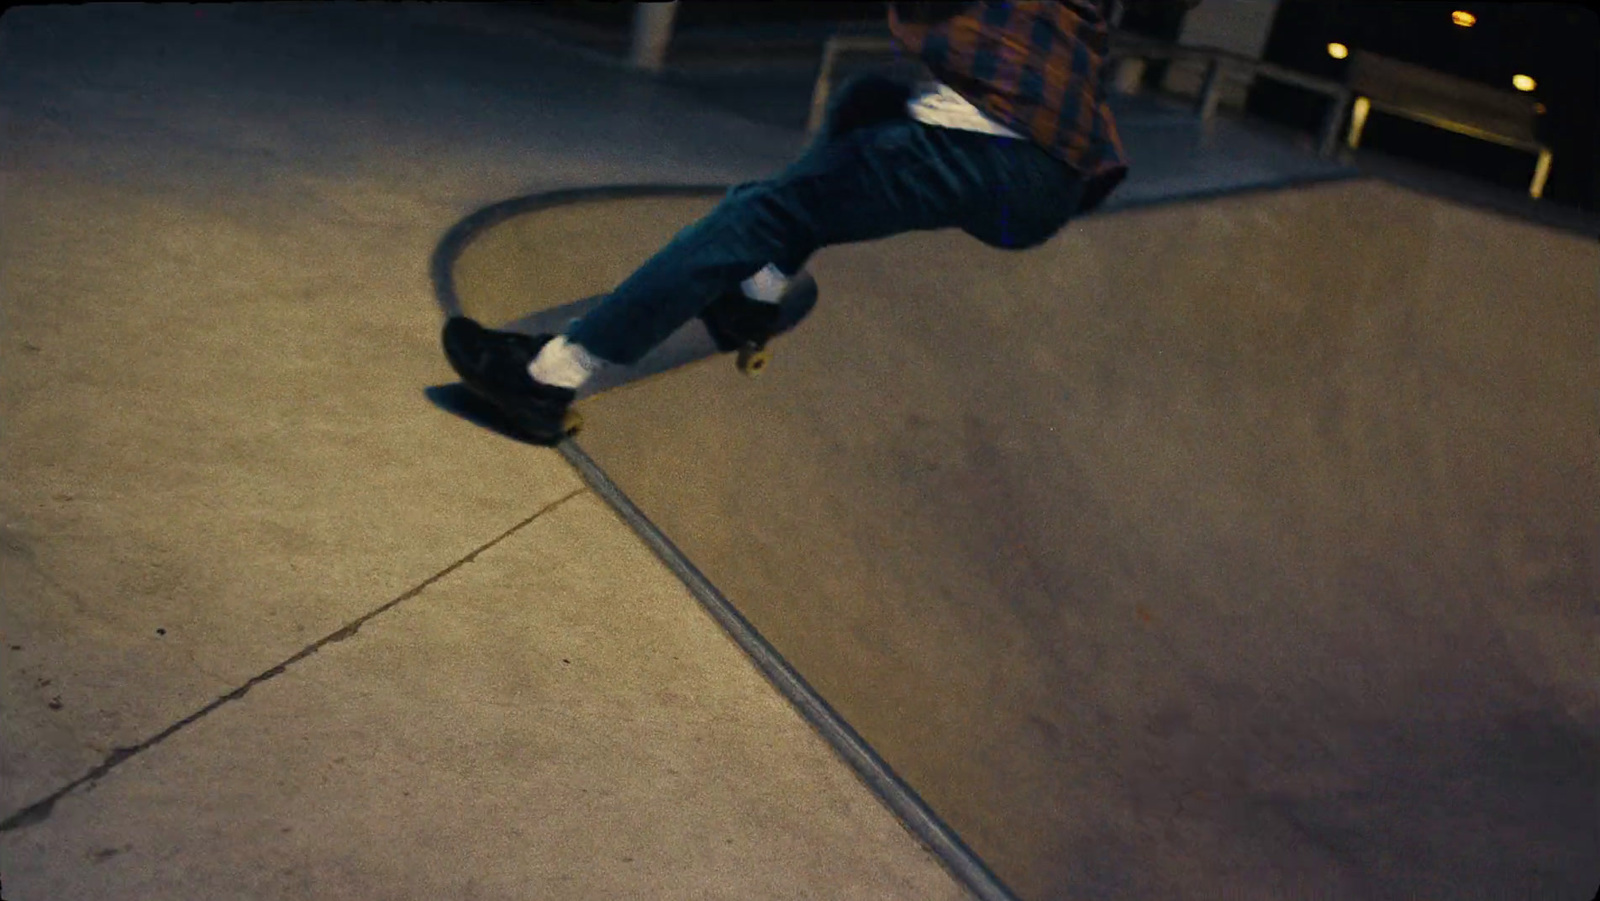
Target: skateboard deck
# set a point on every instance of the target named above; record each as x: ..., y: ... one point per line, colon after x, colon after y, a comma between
x: 691, y: 343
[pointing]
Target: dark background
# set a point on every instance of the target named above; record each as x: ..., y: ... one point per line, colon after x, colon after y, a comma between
x: 1556, y: 43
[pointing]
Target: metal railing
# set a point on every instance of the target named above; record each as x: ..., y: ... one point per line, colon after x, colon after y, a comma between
x: 1220, y: 65
x: 831, y: 51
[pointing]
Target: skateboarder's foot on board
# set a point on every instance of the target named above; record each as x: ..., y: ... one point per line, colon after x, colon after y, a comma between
x: 494, y: 364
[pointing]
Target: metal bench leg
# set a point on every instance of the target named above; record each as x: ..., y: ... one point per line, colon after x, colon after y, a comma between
x: 1210, y: 91
x: 1540, y: 173
x: 820, y: 91
x: 652, y: 32
x: 1358, y: 121
x: 1328, y: 140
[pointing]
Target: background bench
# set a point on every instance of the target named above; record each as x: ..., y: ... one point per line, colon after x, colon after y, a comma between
x: 1445, y: 101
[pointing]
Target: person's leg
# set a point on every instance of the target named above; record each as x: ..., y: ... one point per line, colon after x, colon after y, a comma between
x: 869, y: 183
x: 861, y: 101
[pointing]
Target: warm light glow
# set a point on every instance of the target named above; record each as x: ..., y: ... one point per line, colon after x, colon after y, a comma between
x: 1463, y: 18
x: 1523, y: 83
x: 1338, y: 51
x: 1538, y: 108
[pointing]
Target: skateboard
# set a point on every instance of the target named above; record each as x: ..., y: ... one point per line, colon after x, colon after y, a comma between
x: 691, y: 343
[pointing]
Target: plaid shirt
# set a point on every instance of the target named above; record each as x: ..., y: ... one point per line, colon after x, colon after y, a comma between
x: 1035, y: 67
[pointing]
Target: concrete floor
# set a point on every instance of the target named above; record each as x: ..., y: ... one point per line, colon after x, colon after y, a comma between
x: 1249, y: 553
x: 272, y: 625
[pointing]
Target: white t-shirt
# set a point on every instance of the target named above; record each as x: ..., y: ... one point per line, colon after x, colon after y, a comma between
x: 936, y: 103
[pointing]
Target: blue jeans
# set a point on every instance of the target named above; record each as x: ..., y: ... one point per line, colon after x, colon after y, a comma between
x: 872, y: 172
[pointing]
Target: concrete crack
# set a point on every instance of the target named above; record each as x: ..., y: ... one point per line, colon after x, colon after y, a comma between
x: 40, y: 810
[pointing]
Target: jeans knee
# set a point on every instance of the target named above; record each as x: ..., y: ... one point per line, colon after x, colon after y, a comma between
x: 769, y: 220
x: 1007, y: 236
x: 866, y: 100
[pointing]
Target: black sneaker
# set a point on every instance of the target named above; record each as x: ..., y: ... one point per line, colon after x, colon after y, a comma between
x: 494, y: 364
x: 735, y: 321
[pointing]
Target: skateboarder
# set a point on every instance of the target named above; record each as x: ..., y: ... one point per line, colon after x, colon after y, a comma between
x: 1006, y: 136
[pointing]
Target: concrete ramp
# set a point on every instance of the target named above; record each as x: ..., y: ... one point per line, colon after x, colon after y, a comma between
x: 1239, y: 548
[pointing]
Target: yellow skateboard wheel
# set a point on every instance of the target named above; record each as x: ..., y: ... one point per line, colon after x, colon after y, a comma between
x: 751, y: 362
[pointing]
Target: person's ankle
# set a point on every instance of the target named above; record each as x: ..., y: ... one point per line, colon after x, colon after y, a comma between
x: 562, y: 364
x: 766, y: 286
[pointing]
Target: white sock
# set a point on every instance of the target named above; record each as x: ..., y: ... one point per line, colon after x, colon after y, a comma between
x: 564, y: 365
x: 767, y: 285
